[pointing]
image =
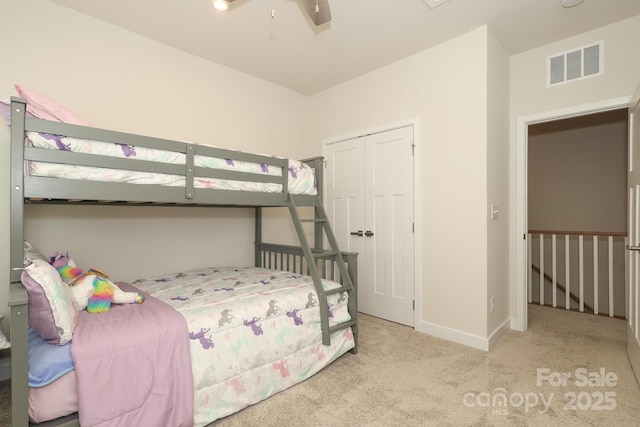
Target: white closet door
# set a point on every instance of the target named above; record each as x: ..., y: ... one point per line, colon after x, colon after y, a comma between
x: 369, y: 200
x: 345, y: 200
x: 389, y: 260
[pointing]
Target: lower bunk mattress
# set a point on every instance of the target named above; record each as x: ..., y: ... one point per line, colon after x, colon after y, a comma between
x: 249, y: 333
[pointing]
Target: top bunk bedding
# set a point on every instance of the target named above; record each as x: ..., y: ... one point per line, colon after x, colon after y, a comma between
x: 301, y: 178
x: 67, y: 161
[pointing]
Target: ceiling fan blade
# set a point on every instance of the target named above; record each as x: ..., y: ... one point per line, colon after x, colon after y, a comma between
x: 318, y: 10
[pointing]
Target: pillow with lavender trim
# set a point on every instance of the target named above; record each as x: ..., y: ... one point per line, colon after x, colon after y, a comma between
x: 52, y: 310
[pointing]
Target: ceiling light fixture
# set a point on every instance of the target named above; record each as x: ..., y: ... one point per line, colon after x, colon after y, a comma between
x: 434, y: 3
x: 570, y: 3
x: 221, y: 5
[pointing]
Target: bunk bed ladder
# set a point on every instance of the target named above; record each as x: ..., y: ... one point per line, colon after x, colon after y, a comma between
x: 333, y: 253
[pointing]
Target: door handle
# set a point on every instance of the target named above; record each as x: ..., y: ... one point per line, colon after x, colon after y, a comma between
x: 368, y: 233
x: 633, y: 248
x: 357, y: 233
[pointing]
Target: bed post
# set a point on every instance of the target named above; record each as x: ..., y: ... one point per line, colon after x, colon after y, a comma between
x: 317, y: 163
x: 17, y: 292
x: 258, y: 238
x: 351, y: 259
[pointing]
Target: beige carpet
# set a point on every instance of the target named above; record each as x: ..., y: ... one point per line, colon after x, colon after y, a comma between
x: 404, y: 378
x: 5, y: 403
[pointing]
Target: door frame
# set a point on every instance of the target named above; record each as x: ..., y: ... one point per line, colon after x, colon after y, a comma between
x: 417, y: 200
x: 632, y: 348
x: 520, y: 322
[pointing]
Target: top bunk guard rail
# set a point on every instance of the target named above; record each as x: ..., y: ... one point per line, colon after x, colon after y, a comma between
x: 59, y: 190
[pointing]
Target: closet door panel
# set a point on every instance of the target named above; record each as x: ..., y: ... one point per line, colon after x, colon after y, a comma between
x: 389, y: 219
x: 345, y: 201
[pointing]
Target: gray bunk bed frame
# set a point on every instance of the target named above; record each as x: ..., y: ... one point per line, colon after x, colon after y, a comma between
x: 317, y: 261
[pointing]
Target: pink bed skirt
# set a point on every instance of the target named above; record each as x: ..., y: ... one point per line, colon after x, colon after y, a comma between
x: 58, y: 399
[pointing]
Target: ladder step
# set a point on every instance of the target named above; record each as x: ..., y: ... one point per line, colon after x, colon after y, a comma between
x: 337, y: 290
x: 325, y: 254
x: 313, y: 220
x: 341, y: 326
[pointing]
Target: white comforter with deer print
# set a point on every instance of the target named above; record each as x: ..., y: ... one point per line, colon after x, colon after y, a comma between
x: 254, y: 332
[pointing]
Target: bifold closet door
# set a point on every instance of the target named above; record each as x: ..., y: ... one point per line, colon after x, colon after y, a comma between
x: 370, y: 201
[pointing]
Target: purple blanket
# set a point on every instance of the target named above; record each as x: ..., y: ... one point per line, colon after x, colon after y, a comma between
x: 133, y: 366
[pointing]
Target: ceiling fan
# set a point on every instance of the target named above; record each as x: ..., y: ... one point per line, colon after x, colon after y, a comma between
x: 318, y: 10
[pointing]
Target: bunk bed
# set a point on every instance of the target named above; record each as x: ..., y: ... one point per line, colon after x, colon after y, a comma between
x: 54, y: 162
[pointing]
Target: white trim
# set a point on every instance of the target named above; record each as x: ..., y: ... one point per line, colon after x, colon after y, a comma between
x: 418, y: 221
x: 464, y: 338
x: 498, y: 333
x: 417, y: 201
x: 370, y: 131
x: 520, y: 321
x: 635, y: 98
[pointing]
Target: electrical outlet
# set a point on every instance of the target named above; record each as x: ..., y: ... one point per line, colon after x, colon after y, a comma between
x: 492, y: 304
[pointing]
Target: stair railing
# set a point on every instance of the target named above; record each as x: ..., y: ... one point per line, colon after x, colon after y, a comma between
x: 558, y: 263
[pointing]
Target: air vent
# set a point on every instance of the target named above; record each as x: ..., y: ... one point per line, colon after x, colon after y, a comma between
x: 575, y: 64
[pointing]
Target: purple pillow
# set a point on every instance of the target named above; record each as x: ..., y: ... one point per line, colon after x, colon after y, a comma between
x: 40, y: 315
x: 52, y: 310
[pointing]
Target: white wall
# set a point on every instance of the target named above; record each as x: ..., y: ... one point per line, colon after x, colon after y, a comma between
x: 114, y: 79
x: 436, y: 86
x: 529, y: 95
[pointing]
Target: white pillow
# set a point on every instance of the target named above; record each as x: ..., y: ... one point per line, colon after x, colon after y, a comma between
x: 32, y: 253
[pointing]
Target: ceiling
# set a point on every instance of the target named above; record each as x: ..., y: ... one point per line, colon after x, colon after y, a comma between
x: 363, y: 35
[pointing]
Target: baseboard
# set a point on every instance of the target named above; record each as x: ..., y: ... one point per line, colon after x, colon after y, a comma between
x: 454, y: 335
x: 499, y: 332
x: 5, y: 368
x: 464, y: 338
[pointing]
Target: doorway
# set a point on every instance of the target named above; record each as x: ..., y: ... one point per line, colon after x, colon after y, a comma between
x: 577, y: 212
x: 521, y: 243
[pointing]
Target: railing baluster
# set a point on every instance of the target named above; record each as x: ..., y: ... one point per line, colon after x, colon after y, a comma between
x: 586, y: 300
x: 541, y: 269
x: 581, y: 258
x: 611, y: 313
x: 635, y: 239
x: 553, y: 263
x: 628, y: 268
x: 530, y: 282
x: 596, y: 295
x: 567, y: 273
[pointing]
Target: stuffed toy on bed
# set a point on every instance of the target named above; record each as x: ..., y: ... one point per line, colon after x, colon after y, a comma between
x: 92, y: 289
